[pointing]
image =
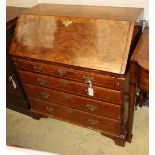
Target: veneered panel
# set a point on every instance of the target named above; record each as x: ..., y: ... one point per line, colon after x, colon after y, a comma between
x: 91, y: 43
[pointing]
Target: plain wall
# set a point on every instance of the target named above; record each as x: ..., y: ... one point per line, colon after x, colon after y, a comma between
x: 22, y: 3
x: 121, y: 3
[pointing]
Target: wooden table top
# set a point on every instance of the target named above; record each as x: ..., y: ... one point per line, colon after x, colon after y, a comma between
x: 141, y: 53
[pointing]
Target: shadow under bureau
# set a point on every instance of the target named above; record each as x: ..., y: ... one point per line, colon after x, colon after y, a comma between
x: 72, y: 61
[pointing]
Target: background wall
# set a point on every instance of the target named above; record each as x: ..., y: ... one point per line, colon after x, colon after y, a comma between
x: 122, y: 3
x: 22, y: 3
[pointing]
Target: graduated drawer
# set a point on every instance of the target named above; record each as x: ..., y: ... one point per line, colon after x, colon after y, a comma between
x: 75, y: 116
x: 74, y: 101
x: 104, y: 94
x: 75, y: 75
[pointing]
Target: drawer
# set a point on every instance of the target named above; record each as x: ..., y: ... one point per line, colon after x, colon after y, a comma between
x: 74, y: 101
x: 75, y: 75
x: 76, y: 116
x: 104, y: 94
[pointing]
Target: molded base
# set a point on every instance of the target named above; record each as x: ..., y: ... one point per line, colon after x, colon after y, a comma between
x: 129, y: 138
x: 118, y: 140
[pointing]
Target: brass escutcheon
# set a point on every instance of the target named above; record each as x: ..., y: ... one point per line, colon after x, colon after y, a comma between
x: 88, y: 78
x: 42, y: 82
x: 67, y: 22
x: 64, y: 83
x: 91, y: 107
x: 44, y: 95
x: 49, y: 109
x: 37, y: 69
x: 93, y: 122
x: 61, y: 72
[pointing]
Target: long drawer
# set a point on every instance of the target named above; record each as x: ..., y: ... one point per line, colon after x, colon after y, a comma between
x: 103, y: 94
x: 72, y: 74
x: 76, y: 116
x: 74, y: 101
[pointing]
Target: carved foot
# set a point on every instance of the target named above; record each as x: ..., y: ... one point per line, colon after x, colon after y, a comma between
x: 120, y: 142
x: 37, y: 116
x: 129, y: 138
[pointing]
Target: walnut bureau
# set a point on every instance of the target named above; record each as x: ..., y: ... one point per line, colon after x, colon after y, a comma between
x: 72, y: 61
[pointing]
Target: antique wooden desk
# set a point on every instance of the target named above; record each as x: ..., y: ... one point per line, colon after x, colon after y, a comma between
x: 15, y: 97
x: 73, y: 61
x: 139, y: 73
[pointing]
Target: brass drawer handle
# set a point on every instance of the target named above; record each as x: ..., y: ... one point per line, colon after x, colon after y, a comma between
x: 93, y: 122
x: 38, y: 69
x: 91, y: 107
x: 44, y: 95
x: 88, y: 79
x: 61, y: 72
x: 64, y: 83
x: 42, y: 82
x: 49, y: 109
x: 67, y: 22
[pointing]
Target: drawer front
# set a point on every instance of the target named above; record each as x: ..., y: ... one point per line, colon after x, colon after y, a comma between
x: 74, y: 101
x: 75, y: 75
x: 75, y: 116
x: 104, y: 94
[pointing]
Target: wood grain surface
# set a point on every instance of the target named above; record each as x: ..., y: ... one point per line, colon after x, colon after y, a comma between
x: 91, y: 43
x: 74, y: 101
x: 141, y: 53
x: 76, y: 116
x: 57, y: 47
x: 114, y: 13
x: 107, y: 81
x: 100, y: 93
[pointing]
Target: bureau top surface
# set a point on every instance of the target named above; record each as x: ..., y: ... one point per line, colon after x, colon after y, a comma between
x: 13, y: 12
x: 56, y: 33
x: 105, y: 12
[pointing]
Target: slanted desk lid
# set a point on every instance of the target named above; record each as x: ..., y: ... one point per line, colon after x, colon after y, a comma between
x: 98, y: 43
